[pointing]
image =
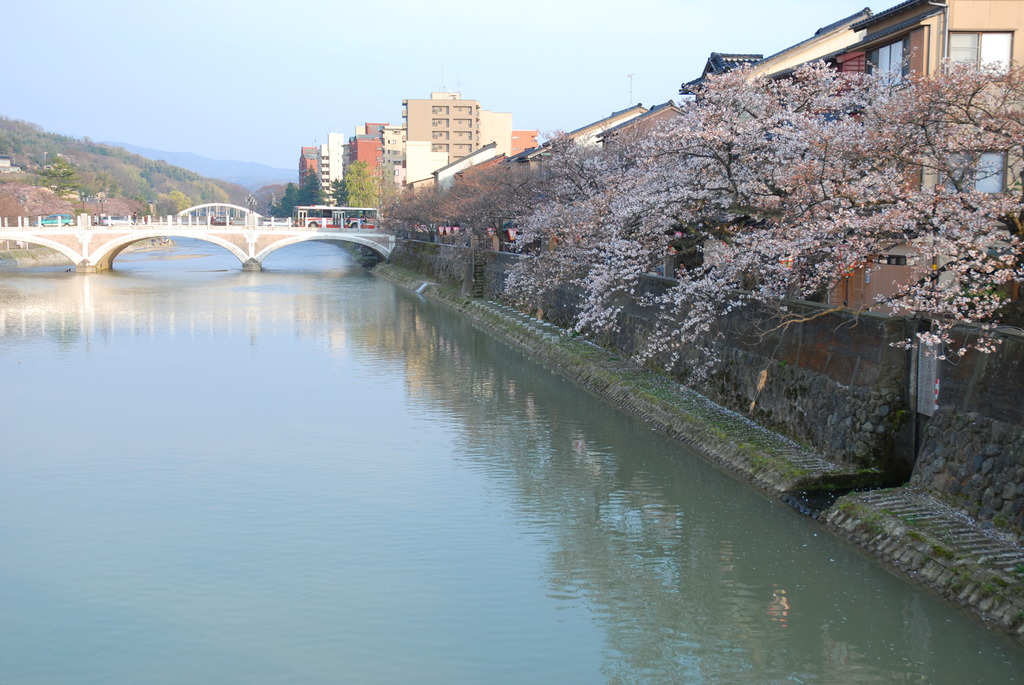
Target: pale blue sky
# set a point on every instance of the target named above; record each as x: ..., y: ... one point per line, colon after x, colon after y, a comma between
x: 254, y: 81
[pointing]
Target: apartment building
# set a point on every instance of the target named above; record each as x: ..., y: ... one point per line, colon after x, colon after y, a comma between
x: 449, y: 123
x: 367, y: 146
x: 332, y: 159
x: 454, y: 126
x: 309, y: 162
x: 523, y: 141
x: 393, y: 141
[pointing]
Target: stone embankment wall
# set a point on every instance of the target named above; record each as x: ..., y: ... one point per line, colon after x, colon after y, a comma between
x: 836, y: 384
x: 34, y: 256
x: 821, y: 383
x: 972, y: 449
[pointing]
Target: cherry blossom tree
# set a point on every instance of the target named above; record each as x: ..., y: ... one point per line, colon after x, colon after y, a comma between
x: 21, y: 199
x: 595, y: 233
x: 478, y: 201
x: 780, y: 188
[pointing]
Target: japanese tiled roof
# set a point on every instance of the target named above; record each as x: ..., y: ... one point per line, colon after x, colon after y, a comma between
x: 719, y: 63
x: 864, y: 23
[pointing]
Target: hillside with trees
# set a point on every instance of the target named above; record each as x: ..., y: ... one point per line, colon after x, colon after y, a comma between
x: 90, y: 177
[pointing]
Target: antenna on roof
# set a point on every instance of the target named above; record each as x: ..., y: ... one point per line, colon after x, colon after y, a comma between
x: 630, y: 77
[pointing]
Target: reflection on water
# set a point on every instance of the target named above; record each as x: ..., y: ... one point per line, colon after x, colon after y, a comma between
x: 306, y: 475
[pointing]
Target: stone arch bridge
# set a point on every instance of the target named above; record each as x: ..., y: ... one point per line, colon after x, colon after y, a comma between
x: 94, y: 248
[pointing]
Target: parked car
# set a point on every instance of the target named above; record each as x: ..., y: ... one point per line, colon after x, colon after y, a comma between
x: 218, y: 221
x: 57, y: 220
x: 108, y: 220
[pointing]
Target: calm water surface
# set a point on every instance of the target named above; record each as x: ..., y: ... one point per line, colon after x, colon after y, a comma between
x: 306, y: 475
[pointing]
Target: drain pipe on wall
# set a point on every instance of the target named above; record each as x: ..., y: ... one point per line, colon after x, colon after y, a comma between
x: 945, y: 28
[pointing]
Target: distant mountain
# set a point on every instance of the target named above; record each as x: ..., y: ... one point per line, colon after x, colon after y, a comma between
x: 249, y: 174
x: 110, y: 172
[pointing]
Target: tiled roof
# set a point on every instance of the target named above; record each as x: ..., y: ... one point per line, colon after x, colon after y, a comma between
x: 474, y: 153
x: 570, y: 134
x: 896, y: 28
x: 866, y: 13
x: 653, y: 110
x: 888, y: 13
x: 722, y: 61
x: 719, y: 63
x: 858, y: 17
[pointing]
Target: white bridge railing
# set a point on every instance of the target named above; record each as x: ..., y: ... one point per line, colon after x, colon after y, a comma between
x: 84, y: 221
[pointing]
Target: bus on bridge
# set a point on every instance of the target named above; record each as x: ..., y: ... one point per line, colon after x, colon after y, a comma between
x: 343, y: 218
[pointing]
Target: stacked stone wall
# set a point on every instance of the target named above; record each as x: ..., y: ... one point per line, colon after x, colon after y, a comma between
x: 972, y: 448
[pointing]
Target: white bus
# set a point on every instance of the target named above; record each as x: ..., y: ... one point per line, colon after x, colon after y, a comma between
x: 341, y: 218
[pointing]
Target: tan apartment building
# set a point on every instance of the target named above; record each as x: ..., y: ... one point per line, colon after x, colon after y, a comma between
x: 449, y: 123
x: 453, y: 126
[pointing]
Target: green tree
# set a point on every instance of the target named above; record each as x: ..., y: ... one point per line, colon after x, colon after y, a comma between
x: 172, y: 203
x: 61, y: 177
x: 337, y: 193
x: 286, y: 205
x: 363, y: 188
x: 310, y: 191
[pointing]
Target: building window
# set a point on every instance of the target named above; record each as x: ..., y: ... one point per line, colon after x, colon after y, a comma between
x: 990, y: 173
x: 985, y: 173
x: 891, y: 60
x: 981, y: 49
x: 439, y: 123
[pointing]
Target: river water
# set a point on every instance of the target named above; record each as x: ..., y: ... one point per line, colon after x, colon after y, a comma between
x: 307, y: 475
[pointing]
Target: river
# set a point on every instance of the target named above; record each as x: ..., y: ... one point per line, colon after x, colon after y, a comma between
x: 307, y: 475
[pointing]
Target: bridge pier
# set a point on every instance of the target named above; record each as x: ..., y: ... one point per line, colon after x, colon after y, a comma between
x: 86, y: 267
x: 252, y: 265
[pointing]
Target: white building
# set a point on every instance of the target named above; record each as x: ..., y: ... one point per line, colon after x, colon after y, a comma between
x: 332, y: 159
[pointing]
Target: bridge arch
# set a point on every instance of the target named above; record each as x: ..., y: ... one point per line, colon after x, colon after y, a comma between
x: 73, y: 255
x: 380, y: 250
x: 104, y: 255
x: 217, y: 209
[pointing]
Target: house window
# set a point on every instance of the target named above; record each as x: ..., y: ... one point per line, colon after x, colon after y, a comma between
x: 892, y: 60
x: 989, y: 174
x: 981, y: 49
x: 985, y: 173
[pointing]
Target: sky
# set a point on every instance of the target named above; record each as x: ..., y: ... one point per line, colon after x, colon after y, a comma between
x: 255, y: 81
